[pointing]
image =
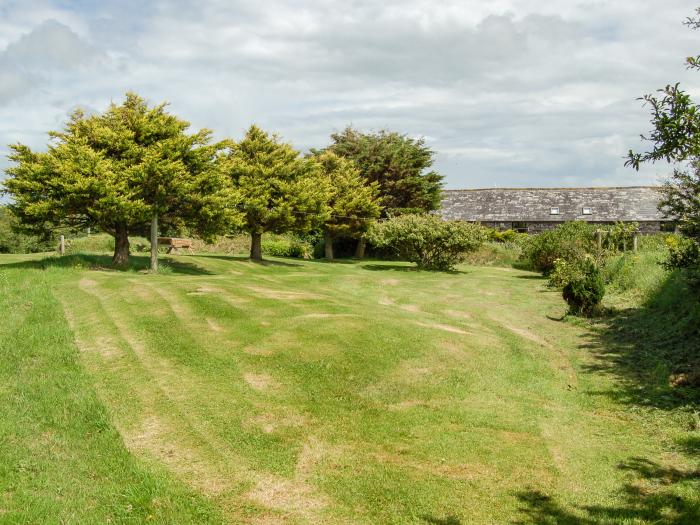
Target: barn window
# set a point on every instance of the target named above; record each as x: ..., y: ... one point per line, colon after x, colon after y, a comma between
x: 554, y: 211
x: 587, y: 211
x: 520, y: 227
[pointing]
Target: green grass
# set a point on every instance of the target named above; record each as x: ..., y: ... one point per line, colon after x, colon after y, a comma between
x: 653, y: 334
x: 312, y: 392
x: 61, y: 459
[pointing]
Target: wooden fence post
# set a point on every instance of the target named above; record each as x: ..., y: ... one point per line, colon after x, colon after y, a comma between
x: 635, y: 240
x: 599, y: 240
x: 154, y: 243
x: 62, y: 246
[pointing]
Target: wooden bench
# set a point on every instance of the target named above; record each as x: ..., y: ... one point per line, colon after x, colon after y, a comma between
x: 175, y: 245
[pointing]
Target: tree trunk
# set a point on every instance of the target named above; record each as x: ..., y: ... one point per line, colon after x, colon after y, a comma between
x: 256, y: 246
x: 328, y: 242
x: 360, y: 249
x: 121, y: 245
x: 154, y: 243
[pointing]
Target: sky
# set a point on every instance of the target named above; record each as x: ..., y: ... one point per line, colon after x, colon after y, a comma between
x: 508, y: 93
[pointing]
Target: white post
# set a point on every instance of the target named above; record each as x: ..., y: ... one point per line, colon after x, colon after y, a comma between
x: 62, y: 245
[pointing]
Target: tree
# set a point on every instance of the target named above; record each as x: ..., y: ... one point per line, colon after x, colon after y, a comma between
x: 13, y: 241
x: 676, y: 139
x: 280, y: 190
x: 120, y: 170
x: 353, y: 202
x: 397, y: 163
x: 681, y: 199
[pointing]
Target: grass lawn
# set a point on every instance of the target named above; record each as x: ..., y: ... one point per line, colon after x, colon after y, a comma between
x: 307, y: 392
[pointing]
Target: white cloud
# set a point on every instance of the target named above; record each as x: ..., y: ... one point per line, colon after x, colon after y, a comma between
x: 43, y: 57
x: 511, y: 92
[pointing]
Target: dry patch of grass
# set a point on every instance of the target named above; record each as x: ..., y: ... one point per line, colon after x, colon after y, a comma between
x: 443, y: 327
x: 261, y: 382
x: 283, y: 295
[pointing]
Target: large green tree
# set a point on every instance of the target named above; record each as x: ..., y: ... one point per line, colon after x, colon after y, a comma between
x: 399, y: 164
x: 121, y: 170
x: 354, y: 203
x: 675, y: 138
x: 281, y: 191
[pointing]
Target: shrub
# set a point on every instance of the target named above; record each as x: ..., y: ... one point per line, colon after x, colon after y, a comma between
x: 104, y: 243
x: 563, y: 272
x: 583, y: 288
x: 684, y: 255
x: 654, y: 242
x: 233, y: 244
x: 502, y: 236
x: 427, y: 240
x: 495, y: 254
x: 619, y: 236
x: 14, y: 241
x: 287, y: 247
x: 570, y: 241
x: 99, y: 243
x: 683, y: 252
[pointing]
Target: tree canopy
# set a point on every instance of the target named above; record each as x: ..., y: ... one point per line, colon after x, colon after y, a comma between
x: 119, y: 169
x: 675, y: 138
x: 281, y: 191
x: 399, y: 164
x: 354, y: 203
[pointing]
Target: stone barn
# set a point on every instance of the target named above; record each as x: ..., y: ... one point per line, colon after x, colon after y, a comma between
x: 537, y: 209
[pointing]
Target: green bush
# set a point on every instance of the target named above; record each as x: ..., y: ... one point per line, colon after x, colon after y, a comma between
x: 230, y: 244
x: 99, y: 243
x: 494, y: 253
x: 582, y: 284
x: 563, y: 272
x: 684, y: 255
x: 287, y: 247
x: 571, y: 241
x: 618, y: 236
x: 13, y: 241
x: 503, y: 236
x: 427, y: 240
x: 683, y: 252
x: 654, y: 242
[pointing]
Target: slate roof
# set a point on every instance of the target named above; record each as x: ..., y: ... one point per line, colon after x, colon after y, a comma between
x: 629, y: 203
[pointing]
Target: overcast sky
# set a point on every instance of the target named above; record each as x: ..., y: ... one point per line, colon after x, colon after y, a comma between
x: 507, y: 92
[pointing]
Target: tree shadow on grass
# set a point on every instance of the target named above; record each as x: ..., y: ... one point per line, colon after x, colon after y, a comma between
x: 403, y: 268
x: 646, y: 348
x: 389, y: 268
x: 449, y: 520
x: 246, y: 259
x: 103, y: 262
x: 333, y: 261
x: 533, y: 277
x: 654, y: 494
x: 643, y: 349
